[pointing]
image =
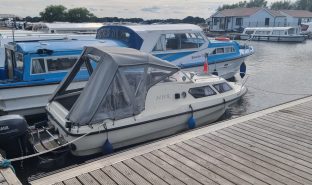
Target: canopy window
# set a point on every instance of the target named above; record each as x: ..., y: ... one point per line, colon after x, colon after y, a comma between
x: 117, y: 87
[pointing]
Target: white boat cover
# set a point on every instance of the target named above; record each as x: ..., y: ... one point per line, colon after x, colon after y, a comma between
x: 118, y: 85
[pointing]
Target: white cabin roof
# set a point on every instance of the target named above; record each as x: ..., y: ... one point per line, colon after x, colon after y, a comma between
x: 164, y: 27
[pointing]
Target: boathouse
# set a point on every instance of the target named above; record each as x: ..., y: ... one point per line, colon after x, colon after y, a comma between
x: 239, y: 18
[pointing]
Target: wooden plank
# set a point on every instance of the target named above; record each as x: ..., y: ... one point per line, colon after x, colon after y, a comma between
x: 293, y: 122
x: 286, y: 152
x: 182, y: 167
x: 280, y: 132
x: 116, y: 175
x: 170, y: 169
x: 194, y: 147
x: 293, y: 111
x: 290, y: 131
x: 197, y: 157
x: 235, y: 162
x: 251, y: 163
x: 170, y: 179
x: 72, y: 181
x: 87, y: 179
x: 290, y: 113
x: 289, y: 173
x: 274, y: 153
x: 273, y: 142
x: 286, y: 113
x: 193, y: 165
x: 2, y: 179
x: 9, y: 175
x: 270, y: 133
x: 101, y: 177
x: 130, y: 174
x: 59, y: 183
x: 288, y: 122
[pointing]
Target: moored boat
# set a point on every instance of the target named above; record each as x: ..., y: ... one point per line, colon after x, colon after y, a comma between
x: 33, y: 70
x: 184, y: 45
x: 132, y: 97
x: 275, y: 34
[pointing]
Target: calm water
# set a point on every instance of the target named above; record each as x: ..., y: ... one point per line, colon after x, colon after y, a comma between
x: 277, y: 73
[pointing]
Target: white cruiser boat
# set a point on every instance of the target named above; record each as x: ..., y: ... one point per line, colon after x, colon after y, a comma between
x: 184, y: 45
x: 276, y: 34
x: 132, y: 97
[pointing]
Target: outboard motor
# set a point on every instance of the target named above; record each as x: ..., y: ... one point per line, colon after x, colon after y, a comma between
x: 13, y: 129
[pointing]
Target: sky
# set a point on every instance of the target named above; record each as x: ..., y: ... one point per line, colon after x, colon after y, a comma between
x: 146, y: 9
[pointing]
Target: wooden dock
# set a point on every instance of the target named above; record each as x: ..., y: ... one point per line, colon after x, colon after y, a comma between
x: 273, y: 146
x: 7, y: 176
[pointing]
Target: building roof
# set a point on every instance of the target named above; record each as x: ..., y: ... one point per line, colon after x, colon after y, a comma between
x: 245, y: 12
x: 298, y: 13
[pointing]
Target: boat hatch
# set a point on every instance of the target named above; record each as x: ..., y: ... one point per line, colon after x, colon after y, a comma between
x: 117, y: 86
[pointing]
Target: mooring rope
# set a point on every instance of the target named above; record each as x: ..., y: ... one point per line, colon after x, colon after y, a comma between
x: 5, y: 163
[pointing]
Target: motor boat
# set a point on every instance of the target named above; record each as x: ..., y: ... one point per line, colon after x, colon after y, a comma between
x: 33, y: 70
x: 131, y: 97
x: 274, y: 34
x: 184, y: 45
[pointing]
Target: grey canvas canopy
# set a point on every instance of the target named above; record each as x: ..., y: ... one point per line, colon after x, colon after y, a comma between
x: 117, y: 86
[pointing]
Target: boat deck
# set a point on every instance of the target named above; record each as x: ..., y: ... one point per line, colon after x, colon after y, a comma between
x: 273, y: 146
x: 7, y: 176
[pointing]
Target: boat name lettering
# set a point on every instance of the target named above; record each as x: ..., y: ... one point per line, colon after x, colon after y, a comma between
x: 3, y: 128
x: 163, y: 97
x: 197, y: 56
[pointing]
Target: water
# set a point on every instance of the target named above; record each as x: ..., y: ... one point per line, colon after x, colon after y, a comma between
x: 277, y: 73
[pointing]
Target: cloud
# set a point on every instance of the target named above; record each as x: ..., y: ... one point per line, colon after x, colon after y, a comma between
x: 153, y: 9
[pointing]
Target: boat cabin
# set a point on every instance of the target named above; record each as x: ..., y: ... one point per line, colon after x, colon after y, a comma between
x: 271, y: 31
x: 42, y: 62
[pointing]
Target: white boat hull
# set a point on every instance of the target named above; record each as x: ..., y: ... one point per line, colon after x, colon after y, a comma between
x: 25, y: 100
x: 144, y: 132
x: 225, y: 70
x: 290, y: 38
x: 28, y: 100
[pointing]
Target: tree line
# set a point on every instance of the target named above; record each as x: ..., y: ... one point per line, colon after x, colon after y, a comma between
x: 277, y: 5
x: 60, y: 13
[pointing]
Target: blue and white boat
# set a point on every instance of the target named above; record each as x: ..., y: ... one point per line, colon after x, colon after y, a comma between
x: 182, y: 44
x: 33, y: 69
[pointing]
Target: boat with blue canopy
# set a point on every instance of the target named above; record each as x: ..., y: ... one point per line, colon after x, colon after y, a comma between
x: 33, y: 70
x: 184, y: 45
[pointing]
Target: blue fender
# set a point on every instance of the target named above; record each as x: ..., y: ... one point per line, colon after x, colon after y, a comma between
x: 242, y: 70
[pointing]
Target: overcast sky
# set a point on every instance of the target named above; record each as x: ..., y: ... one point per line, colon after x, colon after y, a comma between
x: 146, y: 9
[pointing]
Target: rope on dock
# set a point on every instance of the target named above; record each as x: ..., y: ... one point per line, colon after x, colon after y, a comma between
x: 5, y: 163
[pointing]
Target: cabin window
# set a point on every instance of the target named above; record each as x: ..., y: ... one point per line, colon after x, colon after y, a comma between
x: 19, y: 61
x: 59, y: 64
x: 229, y: 50
x: 278, y: 32
x: 160, y: 45
x: 222, y: 87
x: 249, y: 32
x: 200, y: 92
x: 38, y: 66
x: 219, y: 50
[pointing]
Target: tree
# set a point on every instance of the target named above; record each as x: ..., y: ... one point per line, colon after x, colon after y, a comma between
x: 53, y: 13
x: 282, y: 5
x: 80, y: 15
x: 304, y: 5
x: 256, y: 3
